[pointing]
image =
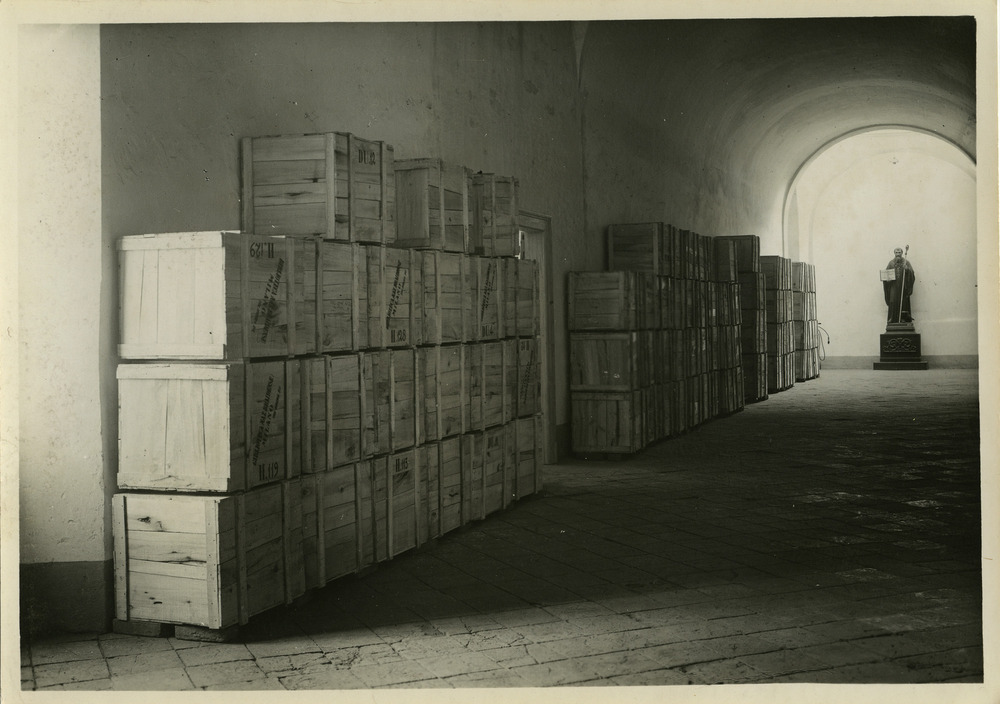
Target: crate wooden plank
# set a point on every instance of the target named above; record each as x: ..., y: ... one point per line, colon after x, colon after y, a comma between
x: 606, y: 362
x: 529, y: 455
x: 602, y: 301
x: 637, y: 247
x: 527, y: 301
x: 529, y: 373
x: 376, y: 389
x: 494, y: 231
x: 342, y: 298
x: 486, y: 293
x: 346, y: 396
x: 432, y: 205
x: 335, y: 185
x: 448, y: 312
x: 402, y: 399
x: 606, y: 422
x: 395, y: 293
x: 216, y: 296
x: 747, y: 252
x: 485, y: 373
x: 442, y: 395
x: 394, y: 503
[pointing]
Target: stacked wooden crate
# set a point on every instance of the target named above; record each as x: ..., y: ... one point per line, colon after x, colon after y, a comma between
x: 777, y: 272
x: 753, y: 326
x: 804, y: 321
x: 644, y: 368
x: 349, y: 389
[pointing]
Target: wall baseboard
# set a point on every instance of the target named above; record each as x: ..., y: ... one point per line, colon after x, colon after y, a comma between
x: 67, y: 597
x: 939, y: 361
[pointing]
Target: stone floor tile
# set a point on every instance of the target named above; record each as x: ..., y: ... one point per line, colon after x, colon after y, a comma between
x: 784, y: 662
x: 733, y: 671
x: 74, y: 671
x: 673, y: 655
x: 394, y: 673
x: 330, y: 677
x: 160, y: 680
x: 131, y: 645
x: 267, y: 683
x: 652, y: 678
x: 287, y: 664
x: 350, y: 638
x: 210, y: 654
x: 86, y: 686
x: 453, y: 664
x: 488, y: 640
x: 529, y: 654
x: 56, y: 651
x: 522, y: 617
x: 427, y: 646
x: 561, y: 672
x: 618, y: 663
x: 224, y: 673
x: 297, y: 645
x: 490, y: 678
x: 144, y: 662
x: 377, y: 654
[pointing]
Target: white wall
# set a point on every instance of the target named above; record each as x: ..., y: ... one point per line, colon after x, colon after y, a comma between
x: 867, y: 195
x: 62, y: 456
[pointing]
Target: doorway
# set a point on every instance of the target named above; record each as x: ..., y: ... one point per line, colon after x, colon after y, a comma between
x: 536, y: 244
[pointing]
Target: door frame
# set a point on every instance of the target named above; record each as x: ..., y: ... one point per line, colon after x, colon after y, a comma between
x: 538, y: 224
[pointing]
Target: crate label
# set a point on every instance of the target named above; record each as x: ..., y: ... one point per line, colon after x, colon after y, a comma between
x: 398, y: 285
x: 268, y: 306
x: 268, y: 412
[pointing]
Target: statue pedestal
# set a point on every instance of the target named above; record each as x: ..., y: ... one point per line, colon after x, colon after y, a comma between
x: 899, y: 348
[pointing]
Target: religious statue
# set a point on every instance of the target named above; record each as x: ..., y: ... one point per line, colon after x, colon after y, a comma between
x: 897, y: 283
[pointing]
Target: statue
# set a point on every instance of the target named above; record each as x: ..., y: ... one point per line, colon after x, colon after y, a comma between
x: 897, y: 283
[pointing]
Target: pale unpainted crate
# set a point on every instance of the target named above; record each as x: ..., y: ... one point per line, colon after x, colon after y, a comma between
x: 448, y: 308
x: 529, y: 454
x: 753, y: 331
x: 335, y: 185
x: 331, y: 527
x: 494, y: 231
x: 487, y: 472
x: 486, y: 371
x: 805, y: 365
x: 389, y: 401
x: 430, y: 457
x: 332, y: 397
x: 607, y: 422
x: 611, y: 361
x: 670, y: 359
x: 217, y: 296
x: 442, y: 396
x: 637, y: 247
x: 485, y: 290
x: 215, y: 427
x: 395, y: 297
x: 521, y: 311
x: 207, y: 561
x: 342, y: 283
x: 432, y: 205
x: 613, y: 301
x: 754, y: 367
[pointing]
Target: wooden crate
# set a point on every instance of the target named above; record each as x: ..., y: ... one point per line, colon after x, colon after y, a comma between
x: 442, y: 397
x: 448, y: 311
x: 777, y: 272
x: 607, y: 422
x: 404, y: 428
x: 529, y: 377
x: 529, y: 454
x: 432, y: 205
x: 209, y: 561
x: 604, y: 301
x: 388, y: 401
x: 528, y: 318
x: 450, y: 482
x: 486, y: 385
x: 331, y: 409
x: 216, y: 296
x: 494, y: 231
x: 726, y: 263
x: 330, y: 526
x: 208, y: 427
x: 484, y: 473
x: 394, y: 504
x: 638, y: 247
x: 335, y: 185
x: 428, y: 492
x: 486, y: 293
x: 610, y: 361
x: 395, y: 293
x: 747, y: 252
x: 342, y: 283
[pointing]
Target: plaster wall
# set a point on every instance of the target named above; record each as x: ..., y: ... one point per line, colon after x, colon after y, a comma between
x: 496, y: 97
x: 63, y: 479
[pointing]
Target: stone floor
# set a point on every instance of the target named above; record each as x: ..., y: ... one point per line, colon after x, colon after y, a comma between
x: 830, y: 534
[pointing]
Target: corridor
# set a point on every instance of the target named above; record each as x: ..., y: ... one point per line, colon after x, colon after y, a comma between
x: 830, y: 534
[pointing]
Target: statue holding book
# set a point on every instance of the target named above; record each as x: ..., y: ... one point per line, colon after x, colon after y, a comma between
x: 897, y: 284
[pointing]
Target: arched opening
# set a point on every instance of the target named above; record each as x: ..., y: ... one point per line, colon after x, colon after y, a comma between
x: 857, y: 199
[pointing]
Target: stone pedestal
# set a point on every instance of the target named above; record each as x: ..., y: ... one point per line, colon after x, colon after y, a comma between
x: 899, y: 348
